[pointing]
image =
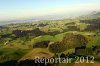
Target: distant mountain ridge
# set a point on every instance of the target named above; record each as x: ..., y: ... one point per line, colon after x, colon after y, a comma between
x: 94, y: 14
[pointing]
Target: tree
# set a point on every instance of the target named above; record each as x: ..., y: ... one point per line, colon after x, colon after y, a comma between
x: 20, y: 33
x: 57, y: 47
x: 42, y: 44
x: 73, y: 41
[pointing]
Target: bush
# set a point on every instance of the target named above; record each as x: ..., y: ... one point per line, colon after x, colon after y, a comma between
x: 57, y: 47
x: 43, y: 44
x: 73, y: 41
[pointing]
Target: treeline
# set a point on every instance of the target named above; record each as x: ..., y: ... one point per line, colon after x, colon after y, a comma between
x: 71, y: 28
x: 23, y: 33
x: 94, y: 24
x: 28, y: 33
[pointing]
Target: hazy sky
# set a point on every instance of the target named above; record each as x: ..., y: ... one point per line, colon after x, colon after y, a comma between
x: 15, y: 9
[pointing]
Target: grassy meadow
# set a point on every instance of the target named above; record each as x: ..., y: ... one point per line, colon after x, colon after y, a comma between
x: 23, y: 41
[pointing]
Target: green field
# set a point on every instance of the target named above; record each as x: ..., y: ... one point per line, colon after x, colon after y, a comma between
x: 17, y: 40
